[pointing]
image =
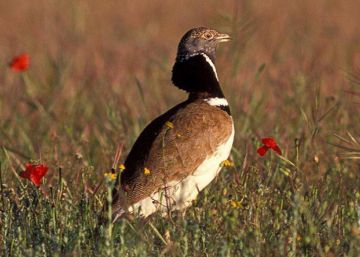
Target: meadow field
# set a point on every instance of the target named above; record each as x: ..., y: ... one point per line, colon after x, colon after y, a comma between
x: 100, y: 71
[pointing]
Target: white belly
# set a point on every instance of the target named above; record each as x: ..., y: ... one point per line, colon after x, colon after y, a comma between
x: 179, y: 194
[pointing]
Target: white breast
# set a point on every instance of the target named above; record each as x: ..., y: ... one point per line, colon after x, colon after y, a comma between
x: 179, y: 194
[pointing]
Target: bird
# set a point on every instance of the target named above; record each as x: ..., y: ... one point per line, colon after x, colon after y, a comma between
x: 180, y: 152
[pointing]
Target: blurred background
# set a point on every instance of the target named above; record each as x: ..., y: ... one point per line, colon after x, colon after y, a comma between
x: 101, y: 70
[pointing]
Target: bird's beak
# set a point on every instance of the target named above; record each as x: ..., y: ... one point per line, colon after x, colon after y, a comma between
x: 223, y: 38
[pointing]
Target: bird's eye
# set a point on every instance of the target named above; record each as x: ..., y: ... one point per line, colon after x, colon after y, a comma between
x: 208, y: 35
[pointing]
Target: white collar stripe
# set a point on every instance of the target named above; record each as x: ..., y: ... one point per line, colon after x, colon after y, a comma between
x: 208, y: 60
x: 216, y: 101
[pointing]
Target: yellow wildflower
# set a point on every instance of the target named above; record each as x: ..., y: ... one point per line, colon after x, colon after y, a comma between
x: 235, y: 204
x: 169, y: 124
x: 147, y: 171
x: 122, y: 167
x: 110, y: 176
x: 226, y: 163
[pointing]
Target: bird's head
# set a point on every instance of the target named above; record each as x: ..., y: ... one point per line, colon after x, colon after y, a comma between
x: 200, y: 41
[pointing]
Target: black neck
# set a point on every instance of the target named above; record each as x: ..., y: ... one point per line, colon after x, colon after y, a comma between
x: 196, y: 76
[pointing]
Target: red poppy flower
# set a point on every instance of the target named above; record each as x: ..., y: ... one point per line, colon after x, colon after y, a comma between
x: 20, y: 63
x: 34, y: 172
x: 269, y: 143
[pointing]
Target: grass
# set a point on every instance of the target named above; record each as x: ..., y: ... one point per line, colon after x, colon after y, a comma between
x: 100, y: 72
